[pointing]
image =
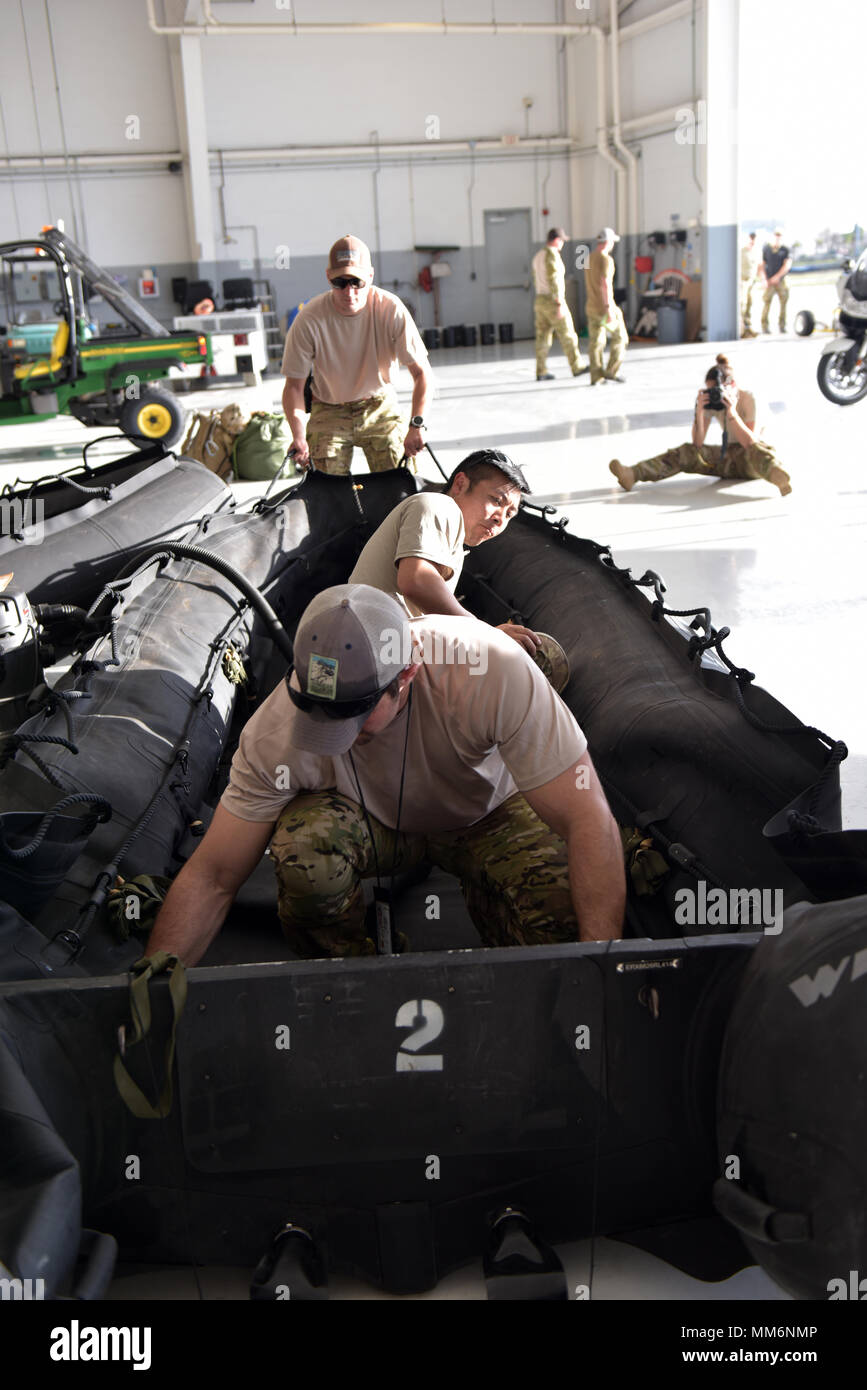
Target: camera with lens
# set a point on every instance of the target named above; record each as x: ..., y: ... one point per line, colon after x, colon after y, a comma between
x: 714, y: 397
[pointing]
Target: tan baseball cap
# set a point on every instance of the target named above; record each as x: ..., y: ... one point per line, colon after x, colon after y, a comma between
x: 349, y: 256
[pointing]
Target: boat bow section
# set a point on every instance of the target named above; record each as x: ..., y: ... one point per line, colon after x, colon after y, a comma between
x: 688, y: 749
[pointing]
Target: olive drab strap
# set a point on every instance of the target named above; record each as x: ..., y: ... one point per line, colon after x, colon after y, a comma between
x: 142, y: 972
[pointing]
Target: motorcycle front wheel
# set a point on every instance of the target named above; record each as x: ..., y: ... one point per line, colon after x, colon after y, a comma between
x: 837, y: 383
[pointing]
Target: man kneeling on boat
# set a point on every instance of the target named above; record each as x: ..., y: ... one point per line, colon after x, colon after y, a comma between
x: 362, y: 765
x: 418, y: 552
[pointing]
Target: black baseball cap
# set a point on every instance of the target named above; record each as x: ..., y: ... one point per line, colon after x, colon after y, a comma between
x: 490, y: 458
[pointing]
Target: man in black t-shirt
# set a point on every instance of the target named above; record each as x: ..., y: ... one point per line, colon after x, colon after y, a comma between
x: 777, y: 260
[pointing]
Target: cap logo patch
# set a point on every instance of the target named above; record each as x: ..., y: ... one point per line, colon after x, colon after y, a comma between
x: 322, y: 677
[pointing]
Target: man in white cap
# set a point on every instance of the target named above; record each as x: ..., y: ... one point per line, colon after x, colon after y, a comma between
x: 777, y: 260
x: 604, y: 318
x: 392, y: 742
x: 352, y: 338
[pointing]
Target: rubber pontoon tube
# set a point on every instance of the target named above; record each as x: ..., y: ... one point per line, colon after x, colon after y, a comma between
x: 176, y: 549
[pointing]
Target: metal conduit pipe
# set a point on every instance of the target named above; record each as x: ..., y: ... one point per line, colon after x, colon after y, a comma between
x: 655, y: 21
x: 284, y: 154
x: 631, y: 162
x: 602, y: 115
x: 663, y: 117
x: 414, y: 147
x: 630, y: 226
x: 443, y: 27
x: 292, y: 29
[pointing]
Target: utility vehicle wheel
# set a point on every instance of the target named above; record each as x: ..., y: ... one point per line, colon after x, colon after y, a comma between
x: 156, y: 415
x: 805, y: 322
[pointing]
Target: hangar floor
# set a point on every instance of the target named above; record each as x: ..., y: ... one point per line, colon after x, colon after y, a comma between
x: 785, y: 574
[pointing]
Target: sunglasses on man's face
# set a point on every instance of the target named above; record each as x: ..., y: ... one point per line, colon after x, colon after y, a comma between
x: 334, y: 709
x: 343, y: 282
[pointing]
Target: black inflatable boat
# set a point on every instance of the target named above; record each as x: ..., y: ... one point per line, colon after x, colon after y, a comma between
x: 398, y: 1116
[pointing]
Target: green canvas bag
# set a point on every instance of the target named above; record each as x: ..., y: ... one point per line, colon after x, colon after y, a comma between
x: 261, y: 448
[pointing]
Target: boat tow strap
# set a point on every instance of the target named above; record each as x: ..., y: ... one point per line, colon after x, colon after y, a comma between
x: 141, y: 973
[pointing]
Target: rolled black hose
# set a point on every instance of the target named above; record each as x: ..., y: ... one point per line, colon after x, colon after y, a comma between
x: 179, y: 550
x: 53, y: 612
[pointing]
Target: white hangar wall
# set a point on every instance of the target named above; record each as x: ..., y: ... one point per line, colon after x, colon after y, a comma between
x: 275, y: 130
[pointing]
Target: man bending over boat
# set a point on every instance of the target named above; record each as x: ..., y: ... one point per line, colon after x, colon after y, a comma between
x: 417, y: 554
x: 367, y: 760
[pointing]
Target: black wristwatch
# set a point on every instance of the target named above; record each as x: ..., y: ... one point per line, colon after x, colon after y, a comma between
x: 416, y: 422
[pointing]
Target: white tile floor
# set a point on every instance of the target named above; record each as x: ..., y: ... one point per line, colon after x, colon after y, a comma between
x: 786, y: 575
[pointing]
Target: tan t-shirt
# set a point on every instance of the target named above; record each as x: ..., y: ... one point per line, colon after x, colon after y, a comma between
x: 430, y: 526
x: 751, y: 258
x: 476, y: 737
x: 599, y: 265
x: 549, y: 273
x: 352, y: 356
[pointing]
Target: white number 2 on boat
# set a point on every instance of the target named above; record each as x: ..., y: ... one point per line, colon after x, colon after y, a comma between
x: 427, y: 1018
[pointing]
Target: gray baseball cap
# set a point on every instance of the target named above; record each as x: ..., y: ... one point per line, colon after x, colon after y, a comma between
x: 351, y: 642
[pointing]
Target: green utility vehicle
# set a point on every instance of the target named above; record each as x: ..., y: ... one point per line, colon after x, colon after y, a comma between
x: 55, y: 356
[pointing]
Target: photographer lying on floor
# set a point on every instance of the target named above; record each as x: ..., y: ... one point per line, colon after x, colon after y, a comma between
x: 742, y: 454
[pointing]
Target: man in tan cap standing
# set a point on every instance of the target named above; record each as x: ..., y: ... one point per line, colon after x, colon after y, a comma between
x: 352, y: 338
x: 551, y: 313
x: 604, y: 318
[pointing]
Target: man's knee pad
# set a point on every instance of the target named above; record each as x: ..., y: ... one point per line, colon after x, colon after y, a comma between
x: 317, y: 846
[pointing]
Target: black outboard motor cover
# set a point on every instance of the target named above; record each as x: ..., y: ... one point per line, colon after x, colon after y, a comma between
x: 792, y: 1106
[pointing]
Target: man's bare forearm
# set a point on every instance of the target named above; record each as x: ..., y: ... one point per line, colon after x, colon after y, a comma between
x: 293, y: 409
x: 421, y: 385
x: 192, y: 914
x: 597, y: 879
x: 428, y: 591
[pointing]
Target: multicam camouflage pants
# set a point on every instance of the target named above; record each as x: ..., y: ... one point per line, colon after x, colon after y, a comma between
x: 747, y: 287
x: 375, y: 425
x: 754, y: 462
x: 781, y: 289
x: 547, y: 324
x: 513, y: 871
x: 599, y: 329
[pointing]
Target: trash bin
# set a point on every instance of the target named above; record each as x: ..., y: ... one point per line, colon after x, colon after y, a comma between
x: 470, y: 335
x: 450, y: 337
x: 431, y: 337
x: 671, y: 321
x: 506, y: 332
x: 487, y: 330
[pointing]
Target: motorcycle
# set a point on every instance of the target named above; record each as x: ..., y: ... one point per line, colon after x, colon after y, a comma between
x: 842, y: 370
